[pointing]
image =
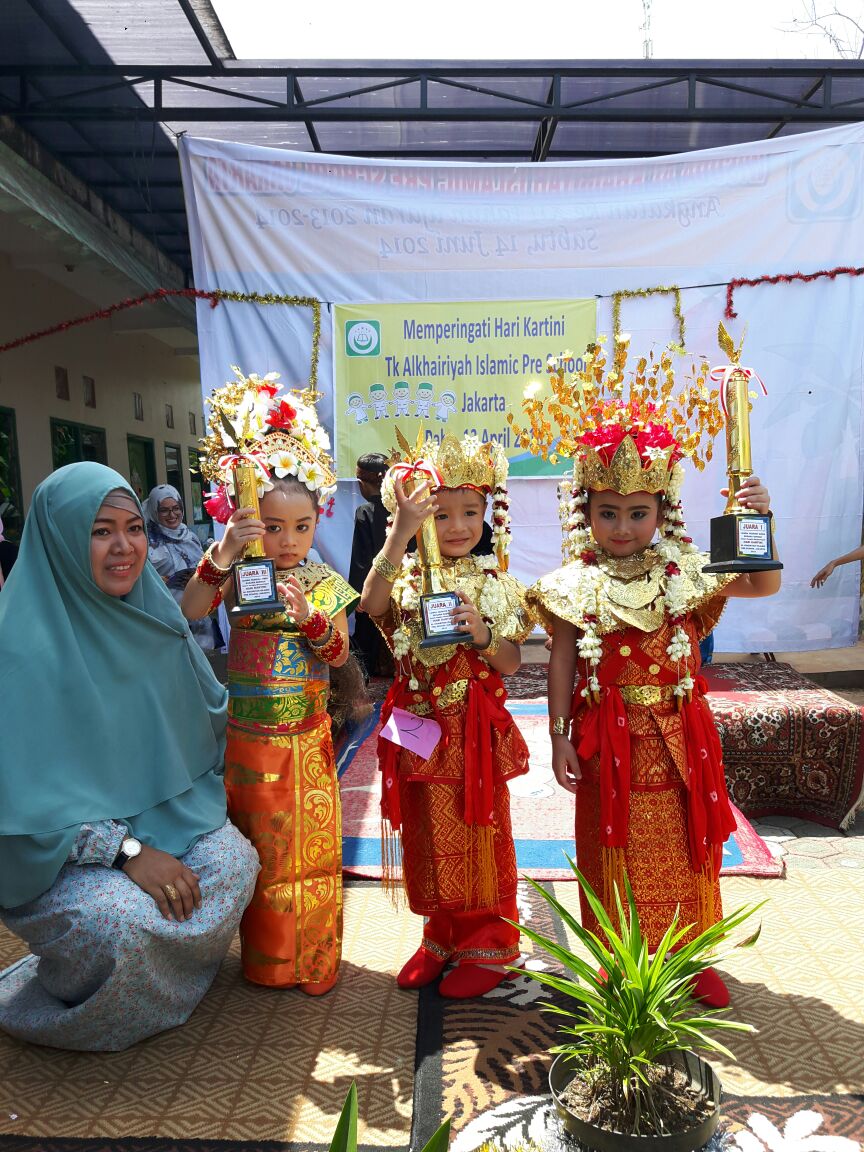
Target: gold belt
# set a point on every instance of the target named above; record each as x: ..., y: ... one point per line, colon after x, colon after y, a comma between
x: 646, y: 694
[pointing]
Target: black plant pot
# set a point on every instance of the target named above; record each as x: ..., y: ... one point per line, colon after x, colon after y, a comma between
x: 701, y: 1077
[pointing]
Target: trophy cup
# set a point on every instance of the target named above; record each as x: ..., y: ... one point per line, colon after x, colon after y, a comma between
x: 740, y: 538
x: 436, y: 602
x: 255, y: 574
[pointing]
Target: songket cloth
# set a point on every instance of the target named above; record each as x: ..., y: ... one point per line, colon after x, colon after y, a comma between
x: 452, y: 811
x: 106, y: 968
x: 283, y: 792
x: 652, y: 799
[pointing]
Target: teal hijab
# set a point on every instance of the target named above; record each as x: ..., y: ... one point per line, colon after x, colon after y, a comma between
x: 108, y: 707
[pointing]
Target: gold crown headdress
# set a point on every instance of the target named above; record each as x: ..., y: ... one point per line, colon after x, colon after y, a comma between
x: 253, y: 420
x: 625, y: 431
x: 452, y: 463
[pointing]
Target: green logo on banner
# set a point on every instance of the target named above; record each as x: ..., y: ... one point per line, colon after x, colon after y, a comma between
x: 363, y: 338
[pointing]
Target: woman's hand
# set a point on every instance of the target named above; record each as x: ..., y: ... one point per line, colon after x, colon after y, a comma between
x: 753, y: 495
x: 242, y: 528
x: 296, y: 604
x: 565, y: 762
x: 823, y: 574
x: 412, y: 510
x: 172, y: 885
x: 469, y: 621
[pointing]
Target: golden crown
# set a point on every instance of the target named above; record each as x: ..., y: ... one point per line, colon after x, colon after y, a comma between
x: 627, y: 471
x: 453, y: 463
x: 626, y: 429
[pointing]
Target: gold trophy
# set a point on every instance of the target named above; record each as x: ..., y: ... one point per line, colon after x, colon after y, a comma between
x: 740, y: 538
x: 436, y: 601
x: 254, y: 574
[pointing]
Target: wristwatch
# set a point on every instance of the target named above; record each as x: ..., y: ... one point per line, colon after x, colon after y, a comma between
x: 129, y: 849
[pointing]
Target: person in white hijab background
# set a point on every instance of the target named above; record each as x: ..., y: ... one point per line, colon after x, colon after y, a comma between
x: 174, y: 552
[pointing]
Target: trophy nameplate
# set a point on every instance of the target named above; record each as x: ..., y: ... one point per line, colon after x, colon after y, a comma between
x: 436, y: 610
x: 255, y: 592
x: 741, y: 539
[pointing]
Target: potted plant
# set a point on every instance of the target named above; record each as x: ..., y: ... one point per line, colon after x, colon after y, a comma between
x: 345, y: 1136
x: 627, y: 1072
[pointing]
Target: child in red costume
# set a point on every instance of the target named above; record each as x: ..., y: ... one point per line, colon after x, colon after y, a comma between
x: 632, y: 735
x: 452, y: 810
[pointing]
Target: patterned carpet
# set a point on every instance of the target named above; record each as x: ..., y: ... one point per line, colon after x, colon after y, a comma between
x: 789, y: 746
x: 543, y: 815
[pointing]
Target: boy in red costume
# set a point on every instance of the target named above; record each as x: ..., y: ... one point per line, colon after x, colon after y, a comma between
x: 452, y: 810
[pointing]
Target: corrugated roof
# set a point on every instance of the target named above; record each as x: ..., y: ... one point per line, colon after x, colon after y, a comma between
x: 106, y: 87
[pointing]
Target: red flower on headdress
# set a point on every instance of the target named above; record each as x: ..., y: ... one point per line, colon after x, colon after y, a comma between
x: 218, y: 505
x: 605, y: 440
x: 672, y: 569
x: 283, y: 416
x: 268, y: 387
x: 607, y: 437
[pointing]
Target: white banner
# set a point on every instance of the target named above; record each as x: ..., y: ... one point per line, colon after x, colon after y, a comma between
x: 346, y: 231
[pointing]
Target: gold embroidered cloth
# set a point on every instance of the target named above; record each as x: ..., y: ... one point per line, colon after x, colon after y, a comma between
x: 280, y: 778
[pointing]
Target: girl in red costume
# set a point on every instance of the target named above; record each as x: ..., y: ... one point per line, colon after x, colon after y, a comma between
x: 632, y: 735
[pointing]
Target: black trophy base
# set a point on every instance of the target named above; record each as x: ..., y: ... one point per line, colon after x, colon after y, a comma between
x: 742, y: 543
x: 436, y: 611
x: 255, y: 591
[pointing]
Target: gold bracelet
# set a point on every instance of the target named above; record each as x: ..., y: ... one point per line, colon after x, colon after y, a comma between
x: 492, y: 647
x: 385, y: 569
x: 559, y: 725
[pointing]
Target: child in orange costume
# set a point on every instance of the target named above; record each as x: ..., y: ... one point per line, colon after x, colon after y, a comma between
x: 634, y: 740
x: 280, y: 769
x: 453, y: 809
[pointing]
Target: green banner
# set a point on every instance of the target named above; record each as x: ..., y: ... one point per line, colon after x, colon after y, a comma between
x: 453, y: 368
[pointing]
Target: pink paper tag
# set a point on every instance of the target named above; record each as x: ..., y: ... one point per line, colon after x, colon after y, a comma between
x: 415, y: 733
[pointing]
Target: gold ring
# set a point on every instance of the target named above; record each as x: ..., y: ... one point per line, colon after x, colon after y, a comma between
x: 171, y: 892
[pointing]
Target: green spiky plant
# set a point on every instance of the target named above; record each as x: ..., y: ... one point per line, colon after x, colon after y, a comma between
x: 345, y: 1136
x: 626, y: 1023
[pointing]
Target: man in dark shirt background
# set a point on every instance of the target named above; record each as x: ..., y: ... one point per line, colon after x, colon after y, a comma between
x: 370, y: 530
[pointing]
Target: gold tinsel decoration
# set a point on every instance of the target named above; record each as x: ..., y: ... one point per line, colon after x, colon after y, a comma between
x: 660, y: 290
x: 601, y: 393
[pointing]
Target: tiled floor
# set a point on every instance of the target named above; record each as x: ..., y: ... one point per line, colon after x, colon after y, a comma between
x: 805, y: 845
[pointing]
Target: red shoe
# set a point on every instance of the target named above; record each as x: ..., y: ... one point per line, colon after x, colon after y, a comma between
x: 423, y: 967
x: 469, y: 980
x: 709, y: 989
x: 321, y: 988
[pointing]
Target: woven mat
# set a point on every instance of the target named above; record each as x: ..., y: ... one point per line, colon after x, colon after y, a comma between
x: 801, y: 986
x: 251, y: 1065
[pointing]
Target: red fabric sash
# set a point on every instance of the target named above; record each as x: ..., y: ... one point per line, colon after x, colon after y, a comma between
x: 604, y: 732
x: 709, y: 816
x: 485, y: 712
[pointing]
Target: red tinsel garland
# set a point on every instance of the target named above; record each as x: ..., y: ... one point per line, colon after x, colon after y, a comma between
x: 105, y: 313
x: 804, y: 277
x: 216, y: 296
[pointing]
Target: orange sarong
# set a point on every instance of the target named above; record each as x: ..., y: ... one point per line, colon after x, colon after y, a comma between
x: 283, y: 794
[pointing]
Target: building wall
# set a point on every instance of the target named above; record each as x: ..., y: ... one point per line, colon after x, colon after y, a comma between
x: 120, y: 364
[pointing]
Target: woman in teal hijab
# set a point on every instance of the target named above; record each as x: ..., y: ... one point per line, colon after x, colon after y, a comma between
x: 117, y: 866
